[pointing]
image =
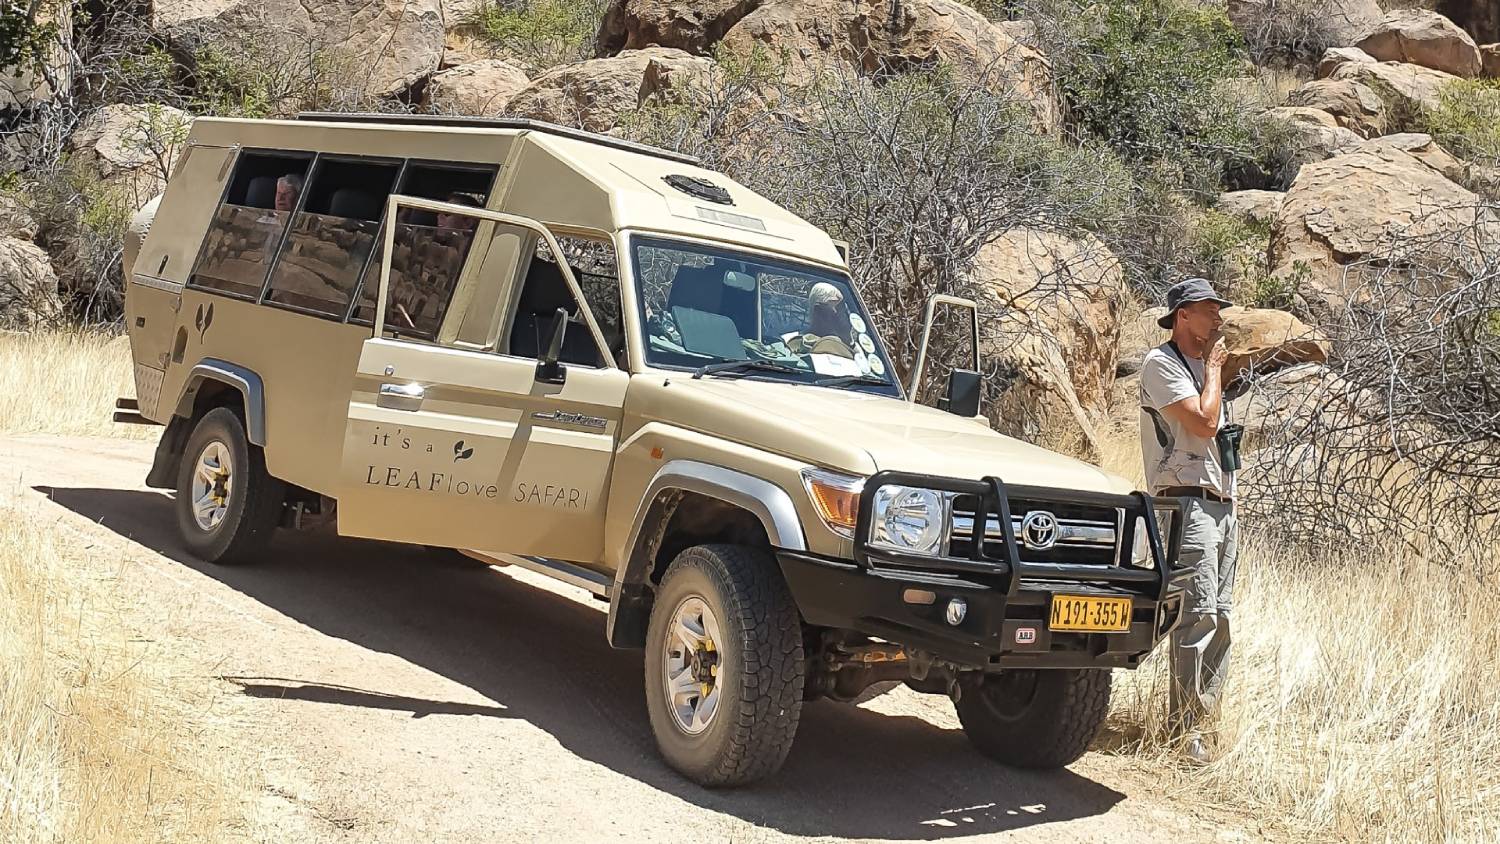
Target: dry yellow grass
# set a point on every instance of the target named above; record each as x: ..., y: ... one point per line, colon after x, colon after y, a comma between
x: 1364, y: 698
x: 99, y: 741
x: 65, y: 383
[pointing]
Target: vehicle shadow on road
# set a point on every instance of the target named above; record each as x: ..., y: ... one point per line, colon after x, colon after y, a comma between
x: 543, y: 658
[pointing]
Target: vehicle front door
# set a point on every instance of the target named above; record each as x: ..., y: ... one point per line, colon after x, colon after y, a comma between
x: 455, y: 436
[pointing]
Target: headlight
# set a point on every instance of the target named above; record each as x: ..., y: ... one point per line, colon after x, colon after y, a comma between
x: 907, y: 519
x: 835, y: 497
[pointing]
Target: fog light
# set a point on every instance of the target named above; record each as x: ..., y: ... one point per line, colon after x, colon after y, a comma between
x: 957, y: 609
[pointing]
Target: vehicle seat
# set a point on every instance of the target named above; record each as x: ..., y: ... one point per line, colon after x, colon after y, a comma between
x: 354, y: 204
x: 697, y: 304
x: 261, y: 192
x: 543, y: 293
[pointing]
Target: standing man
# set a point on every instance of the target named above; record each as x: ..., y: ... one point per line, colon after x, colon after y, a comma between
x: 1182, y: 412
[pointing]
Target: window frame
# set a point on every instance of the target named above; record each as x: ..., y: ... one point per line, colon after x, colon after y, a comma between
x: 312, y: 173
x: 364, y: 276
x: 634, y: 238
x: 382, y: 300
x: 269, y: 152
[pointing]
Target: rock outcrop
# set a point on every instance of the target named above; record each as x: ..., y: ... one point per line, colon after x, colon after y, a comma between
x: 1423, y: 148
x: 1489, y: 61
x: 1420, y: 37
x: 481, y: 88
x: 1355, y: 207
x: 594, y: 94
x: 1252, y: 206
x: 132, y: 147
x: 1344, y: 21
x: 1335, y: 56
x: 1407, y: 89
x: 1353, y: 105
x: 1262, y: 340
x: 391, y: 44
x: 28, y: 284
x: 810, y: 36
x: 1061, y: 300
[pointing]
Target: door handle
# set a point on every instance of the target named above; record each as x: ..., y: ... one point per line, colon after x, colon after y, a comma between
x: 401, y: 396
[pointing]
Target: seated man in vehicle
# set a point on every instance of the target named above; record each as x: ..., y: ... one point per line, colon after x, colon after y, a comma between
x: 288, y: 189
x: 827, y: 324
x: 462, y: 222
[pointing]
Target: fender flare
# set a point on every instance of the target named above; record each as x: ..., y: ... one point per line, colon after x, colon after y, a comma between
x: 246, y: 381
x: 629, y: 609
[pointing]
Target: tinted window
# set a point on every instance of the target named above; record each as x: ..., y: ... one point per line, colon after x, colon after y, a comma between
x: 429, y: 250
x: 333, y: 236
x: 246, y: 230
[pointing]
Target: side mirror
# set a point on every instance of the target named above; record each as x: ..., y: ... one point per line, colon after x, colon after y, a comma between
x: 548, y: 370
x: 963, y: 393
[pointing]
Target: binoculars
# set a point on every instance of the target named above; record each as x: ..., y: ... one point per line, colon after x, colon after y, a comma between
x: 1228, y: 440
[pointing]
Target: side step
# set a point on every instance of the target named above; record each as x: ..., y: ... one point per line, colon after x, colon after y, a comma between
x: 569, y: 573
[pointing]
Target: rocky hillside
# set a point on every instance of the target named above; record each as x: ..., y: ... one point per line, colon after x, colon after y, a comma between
x: 1063, y: 161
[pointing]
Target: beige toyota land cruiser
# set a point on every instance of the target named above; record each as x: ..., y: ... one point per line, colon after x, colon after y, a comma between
x: 597, y: 360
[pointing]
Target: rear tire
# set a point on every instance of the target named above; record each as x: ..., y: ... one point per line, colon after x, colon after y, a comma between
x: 739, y: 690
x: 1033, y: 718
x: 227, y: 503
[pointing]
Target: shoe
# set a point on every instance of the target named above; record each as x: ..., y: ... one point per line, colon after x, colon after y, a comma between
x: 1195, y: 752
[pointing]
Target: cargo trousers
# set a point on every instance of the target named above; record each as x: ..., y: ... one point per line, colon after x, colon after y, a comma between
x: 1201, y: 642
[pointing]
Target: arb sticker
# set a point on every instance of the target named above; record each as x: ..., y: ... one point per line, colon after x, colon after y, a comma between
x: 1025, y: 635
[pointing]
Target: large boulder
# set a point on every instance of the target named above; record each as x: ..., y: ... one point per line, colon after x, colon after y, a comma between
x: 1489, y: 59
x: 16, y: 219
x: 1312, y: 135
x: 22, y: 87
x: 1423, y: 148
x: 1060, y: 300
x: 1262, y: 340
x: 1407, y: 89
x: 1335, y: 56
x: 388, y: 45
x: 481, y: 88
x: 1353, y: 105
x: 28, y: 284
x: 1252, y: 206
x: 811, y: 36
x: 594, y: 94
x: 1355, y: 208
x: 1418, y: 36
x: 691, y: 25
x: 132, y: 147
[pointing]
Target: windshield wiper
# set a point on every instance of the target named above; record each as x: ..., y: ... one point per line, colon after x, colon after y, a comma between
x: 844, y: 380
x: 743, y: 365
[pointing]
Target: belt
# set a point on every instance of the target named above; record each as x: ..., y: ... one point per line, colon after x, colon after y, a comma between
x: 1194, y: 492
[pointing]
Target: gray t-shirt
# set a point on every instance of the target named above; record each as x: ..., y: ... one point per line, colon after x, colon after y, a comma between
x: 1174, y: 455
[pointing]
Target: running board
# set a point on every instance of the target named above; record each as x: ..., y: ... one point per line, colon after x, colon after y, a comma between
x: 569, y: 573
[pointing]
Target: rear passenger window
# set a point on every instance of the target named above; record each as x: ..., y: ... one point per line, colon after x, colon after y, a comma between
x: 333, y: 236
x: 429, y: 250
x: 246, y: 231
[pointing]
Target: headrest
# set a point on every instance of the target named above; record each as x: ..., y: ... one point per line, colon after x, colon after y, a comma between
x: 261, y: 192
x: 545, y: 289
x: 355, y: 203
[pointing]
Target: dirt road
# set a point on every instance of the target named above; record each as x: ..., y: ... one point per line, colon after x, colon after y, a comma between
x: 393, y: 698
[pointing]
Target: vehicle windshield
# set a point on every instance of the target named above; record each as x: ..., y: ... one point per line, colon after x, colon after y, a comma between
x: 706, y: 306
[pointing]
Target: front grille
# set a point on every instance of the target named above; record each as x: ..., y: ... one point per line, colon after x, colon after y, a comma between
x: 1086, y: 535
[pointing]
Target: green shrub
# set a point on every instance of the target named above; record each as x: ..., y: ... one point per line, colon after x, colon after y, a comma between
x: 1151, y: 79
x: 1467, y: 119
x: 540, y: 33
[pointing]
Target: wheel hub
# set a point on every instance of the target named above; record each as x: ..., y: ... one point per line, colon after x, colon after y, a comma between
x: 212, y: 476
x: 691, y: 659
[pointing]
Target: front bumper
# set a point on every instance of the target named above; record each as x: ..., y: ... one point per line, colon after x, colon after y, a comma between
x: 1007, y: 599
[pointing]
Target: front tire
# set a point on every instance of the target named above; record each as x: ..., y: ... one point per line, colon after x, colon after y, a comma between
x: 227, y: 503
x: 724, y: 665
x: 1033, y: 718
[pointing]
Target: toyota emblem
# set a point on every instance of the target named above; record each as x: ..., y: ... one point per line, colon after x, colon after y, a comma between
x: 1039, y: 530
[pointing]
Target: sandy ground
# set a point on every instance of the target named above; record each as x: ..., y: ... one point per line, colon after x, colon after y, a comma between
x: 390, y: 697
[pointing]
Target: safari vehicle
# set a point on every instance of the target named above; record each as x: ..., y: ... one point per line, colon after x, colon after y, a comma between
x: 597, y: 360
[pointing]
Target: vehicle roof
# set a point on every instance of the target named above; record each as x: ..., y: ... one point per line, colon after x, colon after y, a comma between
x: 562, y: 177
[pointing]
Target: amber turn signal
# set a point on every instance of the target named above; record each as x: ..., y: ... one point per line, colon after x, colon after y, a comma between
x: 836, y: 498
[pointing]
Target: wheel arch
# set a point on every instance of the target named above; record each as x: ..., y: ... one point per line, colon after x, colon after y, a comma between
x: 682, y: 486
x: 218, y: 375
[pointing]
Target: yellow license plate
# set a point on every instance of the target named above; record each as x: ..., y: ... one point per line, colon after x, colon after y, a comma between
x: 1081, y: 612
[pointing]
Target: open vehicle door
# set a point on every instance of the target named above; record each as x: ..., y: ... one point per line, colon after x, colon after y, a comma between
x: 479, y: 419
